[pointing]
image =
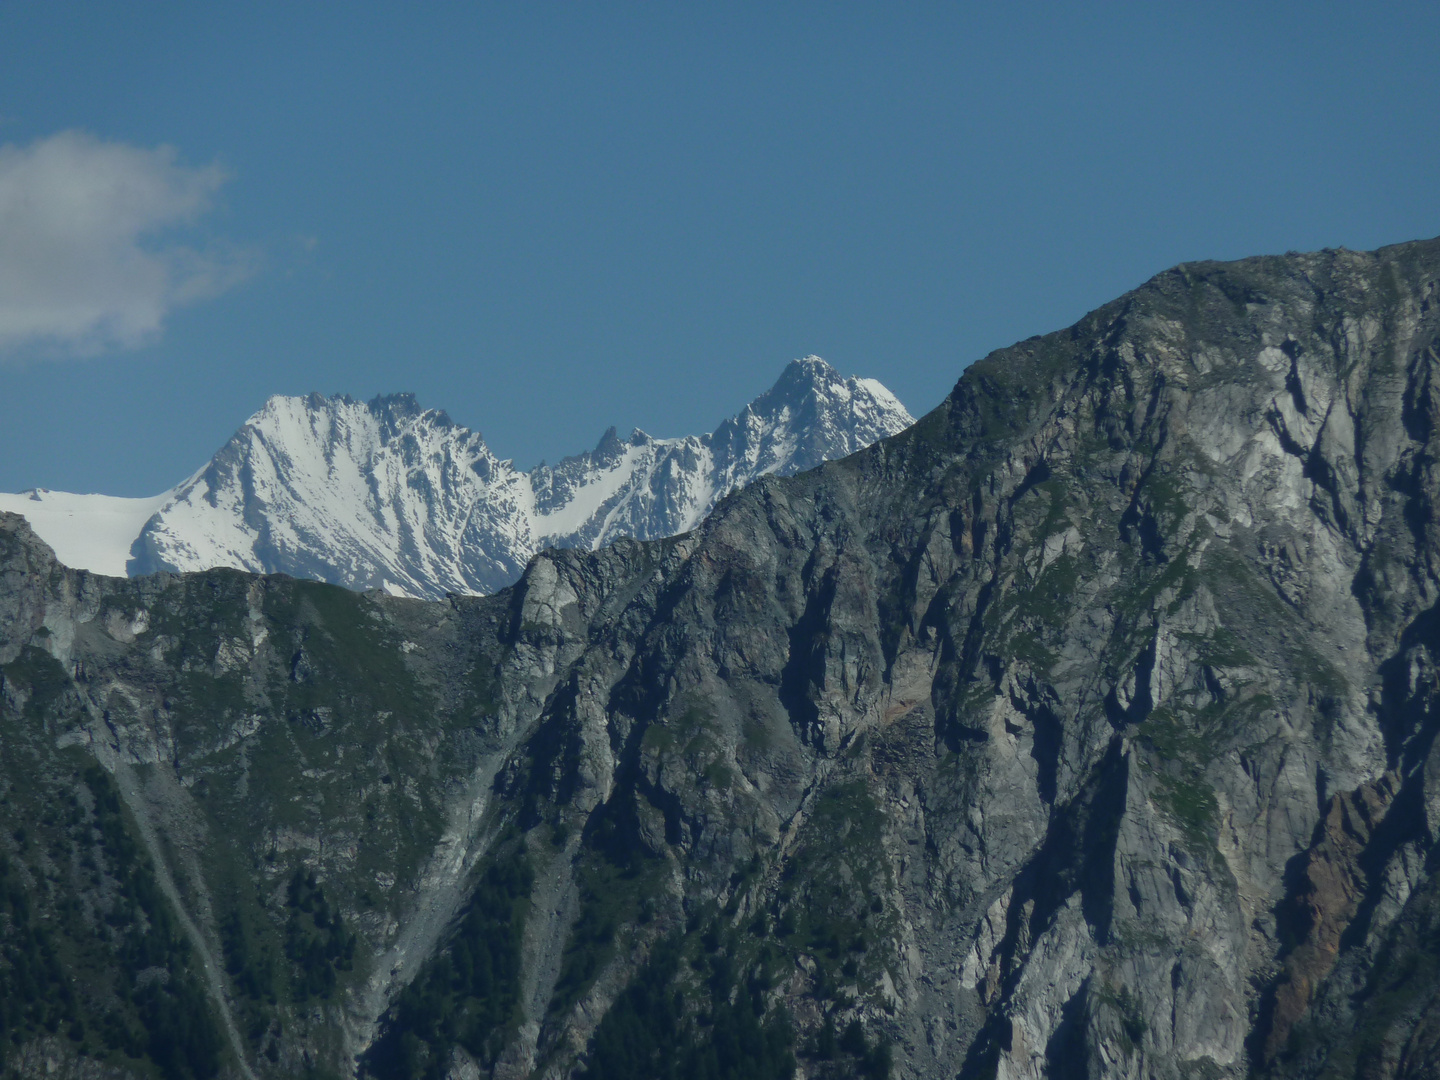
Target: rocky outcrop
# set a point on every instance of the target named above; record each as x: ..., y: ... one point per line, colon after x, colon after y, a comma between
x: 1086, y: 728
x: 1332, y: 887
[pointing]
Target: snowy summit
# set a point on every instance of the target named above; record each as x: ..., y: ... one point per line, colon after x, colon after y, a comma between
x: 387, y: 495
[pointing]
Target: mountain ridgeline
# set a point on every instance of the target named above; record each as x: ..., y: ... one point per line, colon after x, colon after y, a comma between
x: 1084, y: 729
x: 387, y: 495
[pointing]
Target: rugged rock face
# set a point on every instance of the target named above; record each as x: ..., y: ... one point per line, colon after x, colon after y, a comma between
x: 387, y: 495
x: 1083, y: 729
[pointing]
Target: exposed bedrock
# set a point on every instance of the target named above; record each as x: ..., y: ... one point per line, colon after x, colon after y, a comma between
x: 1085, y: 729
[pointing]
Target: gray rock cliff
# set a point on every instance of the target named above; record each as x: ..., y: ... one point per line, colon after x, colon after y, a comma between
x: 1084, y: 729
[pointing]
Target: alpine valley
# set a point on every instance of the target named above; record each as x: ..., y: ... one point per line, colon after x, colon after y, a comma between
x: 1085, y: 728
x: 387, y: 495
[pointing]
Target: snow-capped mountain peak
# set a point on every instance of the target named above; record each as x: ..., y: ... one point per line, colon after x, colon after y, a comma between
x: 372, y: 495
x: 386, y: 494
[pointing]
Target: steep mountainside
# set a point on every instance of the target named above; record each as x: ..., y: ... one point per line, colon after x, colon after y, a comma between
x: 387, y: 495
x: 1084, y: 729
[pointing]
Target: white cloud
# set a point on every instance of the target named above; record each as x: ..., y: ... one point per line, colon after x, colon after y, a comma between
x: 90, y: 252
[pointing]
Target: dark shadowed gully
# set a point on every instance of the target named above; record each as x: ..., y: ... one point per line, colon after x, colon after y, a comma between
x: 1085, y: 729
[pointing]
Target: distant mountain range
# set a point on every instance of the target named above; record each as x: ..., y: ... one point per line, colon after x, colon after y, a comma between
x: 387, y: 495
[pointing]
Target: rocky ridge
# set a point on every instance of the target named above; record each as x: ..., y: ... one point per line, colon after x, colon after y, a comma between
x: 387, y: 495
x: 1083, y: 729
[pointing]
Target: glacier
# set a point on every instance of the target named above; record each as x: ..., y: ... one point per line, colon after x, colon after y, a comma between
x: 87, y: 532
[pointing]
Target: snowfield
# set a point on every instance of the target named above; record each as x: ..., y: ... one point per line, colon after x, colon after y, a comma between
x: 88, y: 532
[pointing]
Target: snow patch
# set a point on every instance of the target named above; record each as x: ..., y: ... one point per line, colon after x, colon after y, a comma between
x: 87, y: 532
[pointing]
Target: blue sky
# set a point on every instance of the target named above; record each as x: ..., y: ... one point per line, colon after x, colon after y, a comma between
x: 550, y: 218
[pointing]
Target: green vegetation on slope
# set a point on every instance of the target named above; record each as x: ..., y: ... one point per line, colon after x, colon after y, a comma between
x: 316, y: 940
x: 467, y: 996
x: 650, y: 1034
x: 90, y: 951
